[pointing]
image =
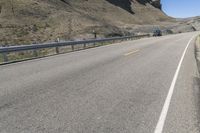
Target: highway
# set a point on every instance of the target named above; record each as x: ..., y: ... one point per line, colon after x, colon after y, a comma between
x: 118, y: 88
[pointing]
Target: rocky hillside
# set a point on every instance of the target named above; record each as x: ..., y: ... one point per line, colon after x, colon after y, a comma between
x: 28, y: 21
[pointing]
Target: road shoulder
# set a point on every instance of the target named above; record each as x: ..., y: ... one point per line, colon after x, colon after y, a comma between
x: 183, y: 114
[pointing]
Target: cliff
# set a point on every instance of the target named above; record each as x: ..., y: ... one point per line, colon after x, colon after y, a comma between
x: 27, y: 21
x: 157, y: 4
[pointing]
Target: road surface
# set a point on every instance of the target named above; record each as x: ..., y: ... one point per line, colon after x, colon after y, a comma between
x: 118, y: 88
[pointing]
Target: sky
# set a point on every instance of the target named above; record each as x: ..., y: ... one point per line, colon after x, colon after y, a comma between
x: 181, y: 8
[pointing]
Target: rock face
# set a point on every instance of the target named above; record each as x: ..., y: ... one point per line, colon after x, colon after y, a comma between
x: 27, y: 21
x: 124, y: 4
x: 157, y: 4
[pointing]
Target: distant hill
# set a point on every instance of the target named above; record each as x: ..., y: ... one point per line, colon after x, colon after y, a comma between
x: 28, y: 21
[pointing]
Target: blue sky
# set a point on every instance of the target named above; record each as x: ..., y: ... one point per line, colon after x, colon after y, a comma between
x: 181, y: 8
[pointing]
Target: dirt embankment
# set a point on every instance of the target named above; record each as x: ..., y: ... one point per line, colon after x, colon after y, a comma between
x: 27, y: 21
x: 34, y: 21
x: 197, y: 51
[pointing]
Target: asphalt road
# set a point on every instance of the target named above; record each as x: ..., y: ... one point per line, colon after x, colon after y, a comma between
x: 119, y: 88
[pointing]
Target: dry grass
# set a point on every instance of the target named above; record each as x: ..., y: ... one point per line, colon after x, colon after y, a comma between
x: 197, y: 52
x: 1, y: 58
x: 198, y: 42
x: 27, y: 21
x: 199, y: 39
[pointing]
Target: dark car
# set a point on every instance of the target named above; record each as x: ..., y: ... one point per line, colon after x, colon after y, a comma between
x: 157, y: 33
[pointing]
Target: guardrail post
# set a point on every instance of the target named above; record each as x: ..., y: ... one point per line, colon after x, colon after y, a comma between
x: 72, y: 47
x: 5, y: 57
x: 84, y: 45
x: 95, y: 36
x: 57, y: 50
x: 35, y: 54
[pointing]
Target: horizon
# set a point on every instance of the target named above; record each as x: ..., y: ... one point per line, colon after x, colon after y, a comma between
x: 181, y: 8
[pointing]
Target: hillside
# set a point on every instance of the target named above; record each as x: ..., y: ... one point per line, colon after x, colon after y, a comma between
x: 28, y: 21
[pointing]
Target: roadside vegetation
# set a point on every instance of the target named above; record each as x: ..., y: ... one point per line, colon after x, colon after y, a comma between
x: 1, y: 58
x: 197, y: 52
x: 30, y: 21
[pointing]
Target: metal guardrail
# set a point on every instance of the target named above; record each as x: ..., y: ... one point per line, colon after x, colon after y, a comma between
x: 34, y: 47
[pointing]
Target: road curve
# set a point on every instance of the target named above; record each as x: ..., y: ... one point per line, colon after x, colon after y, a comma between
x: 119, y: 88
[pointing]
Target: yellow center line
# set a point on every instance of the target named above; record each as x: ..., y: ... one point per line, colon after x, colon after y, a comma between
x: 131, y: 52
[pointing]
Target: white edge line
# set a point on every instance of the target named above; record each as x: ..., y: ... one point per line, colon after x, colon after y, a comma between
x: 163, y: 115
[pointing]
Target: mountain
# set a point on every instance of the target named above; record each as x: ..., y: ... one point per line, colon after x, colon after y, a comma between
x: 28, y: 21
